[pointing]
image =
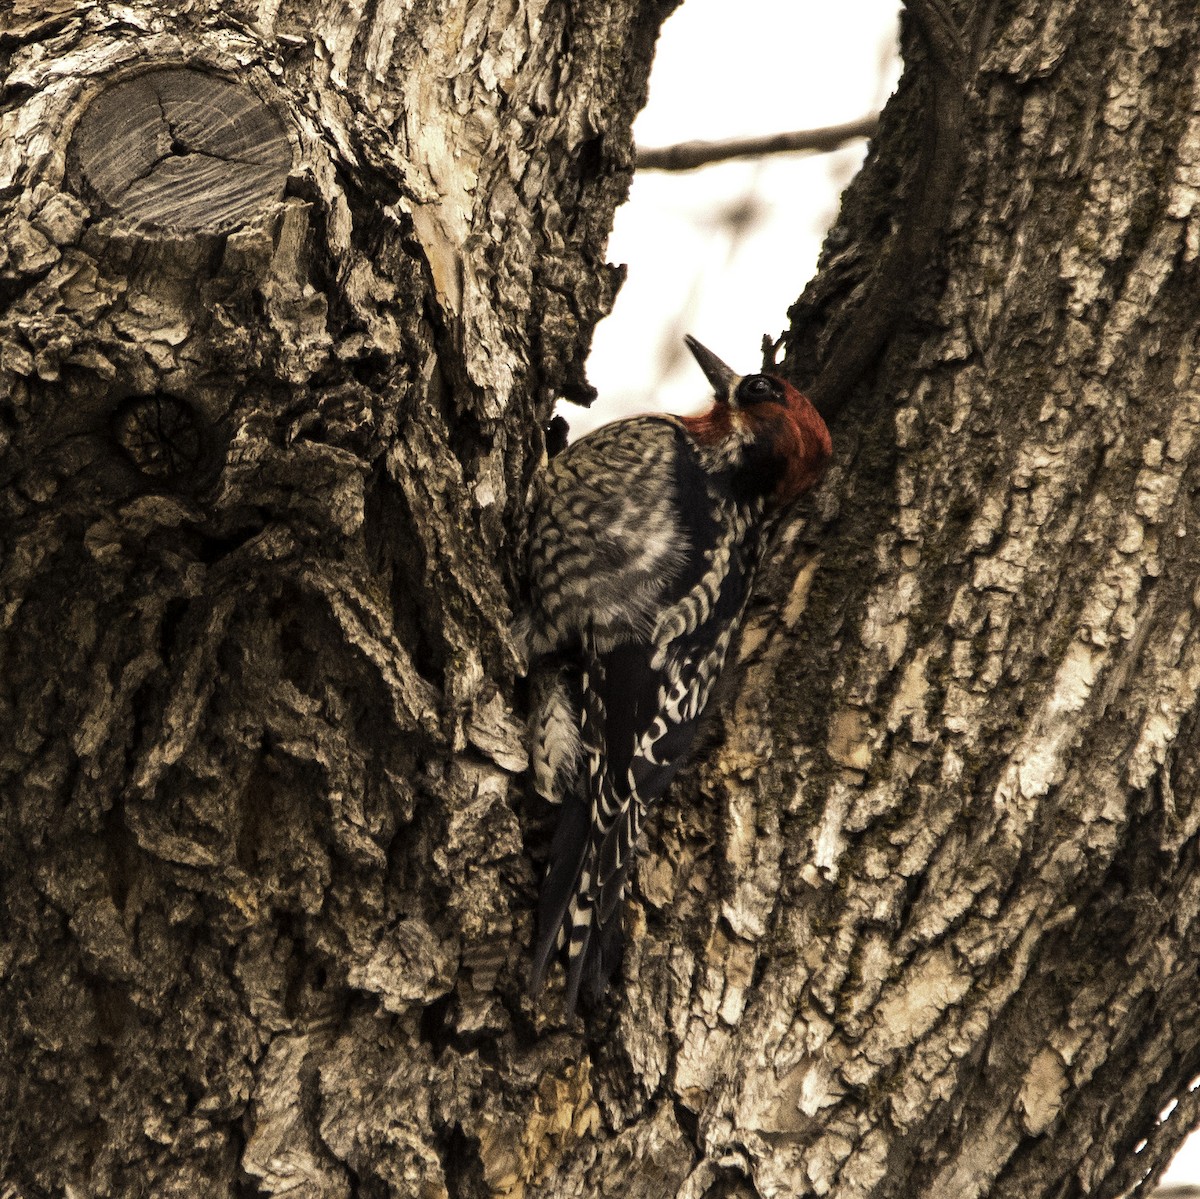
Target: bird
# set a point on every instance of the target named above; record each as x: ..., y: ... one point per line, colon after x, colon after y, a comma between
x: 643, y: 542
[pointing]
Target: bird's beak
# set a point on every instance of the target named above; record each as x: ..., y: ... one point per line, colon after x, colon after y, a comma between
x: 723, y: 380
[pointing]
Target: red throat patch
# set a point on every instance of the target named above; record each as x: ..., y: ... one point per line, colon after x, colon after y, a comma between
x: 711, y: 427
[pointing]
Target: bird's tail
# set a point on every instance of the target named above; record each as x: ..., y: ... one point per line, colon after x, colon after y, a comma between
x: 579, y: 916
x: 568, y: 853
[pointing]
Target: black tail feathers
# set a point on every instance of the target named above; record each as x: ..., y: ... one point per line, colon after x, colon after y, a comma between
x: 574, y: 922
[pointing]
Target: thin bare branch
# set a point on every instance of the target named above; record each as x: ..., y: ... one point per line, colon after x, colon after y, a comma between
x: 687, y: 156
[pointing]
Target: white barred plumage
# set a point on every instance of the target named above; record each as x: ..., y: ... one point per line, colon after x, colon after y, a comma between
x: 642, y: 547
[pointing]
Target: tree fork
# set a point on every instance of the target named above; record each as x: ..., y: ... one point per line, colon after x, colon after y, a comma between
x: 926, y: 928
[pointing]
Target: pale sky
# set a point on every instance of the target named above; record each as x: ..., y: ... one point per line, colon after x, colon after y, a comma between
x: 776, y: 66
x: 722, y: 252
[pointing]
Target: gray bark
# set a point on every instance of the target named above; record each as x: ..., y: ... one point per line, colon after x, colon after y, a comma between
x: 923, y: 917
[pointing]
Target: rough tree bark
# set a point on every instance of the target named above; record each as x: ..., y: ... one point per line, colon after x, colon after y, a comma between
x: 288, y: 291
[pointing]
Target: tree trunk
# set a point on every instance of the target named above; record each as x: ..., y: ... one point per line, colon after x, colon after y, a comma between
x: 287, y: 295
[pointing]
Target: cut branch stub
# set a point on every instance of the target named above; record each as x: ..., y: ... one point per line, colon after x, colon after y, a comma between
x: 164, y: 437
x: 181, y: 149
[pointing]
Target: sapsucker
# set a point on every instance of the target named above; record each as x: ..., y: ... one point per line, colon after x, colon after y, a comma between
x: 643, y: 544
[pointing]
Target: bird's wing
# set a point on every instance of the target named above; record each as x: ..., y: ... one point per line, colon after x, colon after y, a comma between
x: 643, y: 701
x: 608, y: 537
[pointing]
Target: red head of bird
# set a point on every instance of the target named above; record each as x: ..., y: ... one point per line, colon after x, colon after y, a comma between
x: 767, y: 425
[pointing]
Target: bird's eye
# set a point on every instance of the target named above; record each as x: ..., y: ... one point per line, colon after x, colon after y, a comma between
x: 757, y: 388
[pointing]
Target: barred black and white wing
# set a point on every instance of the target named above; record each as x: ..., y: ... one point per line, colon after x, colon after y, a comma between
x: 608, y: 541
x: 641, y: 697
x: 642, y: 546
